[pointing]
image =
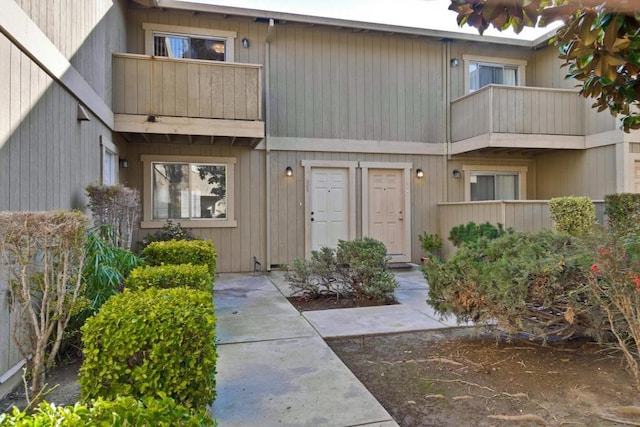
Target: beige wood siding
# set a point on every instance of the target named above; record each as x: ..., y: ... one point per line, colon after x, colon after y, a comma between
x: 362, y: 86
x: 589, y: 173
x: 236, y: 246
x: 520, y: 110
x: 288, y: 197
x: 186, y: 88
x: 85, y: 32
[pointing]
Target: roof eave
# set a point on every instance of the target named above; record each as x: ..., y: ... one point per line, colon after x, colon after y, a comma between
x: 439, y: 34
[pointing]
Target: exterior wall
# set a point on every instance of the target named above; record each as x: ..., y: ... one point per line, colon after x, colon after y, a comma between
x: 589, y: 173
x: 288, y: 198
x: 236, y: 246
x: 330, y: 83
x: 47, y: 156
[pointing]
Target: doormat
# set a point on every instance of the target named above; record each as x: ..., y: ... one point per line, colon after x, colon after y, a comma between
x: 399, y: 266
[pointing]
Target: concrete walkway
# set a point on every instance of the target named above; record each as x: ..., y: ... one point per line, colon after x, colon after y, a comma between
x: 274, y: 368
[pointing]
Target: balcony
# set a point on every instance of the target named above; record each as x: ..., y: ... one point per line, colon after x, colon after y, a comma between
x: 173, y: 99
x: 517, y: 117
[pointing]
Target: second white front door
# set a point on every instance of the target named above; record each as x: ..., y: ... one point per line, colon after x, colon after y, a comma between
x: 386, y: 208
x: 329, y: 206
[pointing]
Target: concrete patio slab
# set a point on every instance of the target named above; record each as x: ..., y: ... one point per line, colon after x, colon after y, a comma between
x: 296, y: 382
x: 370, y: 321
x: 237, y: 328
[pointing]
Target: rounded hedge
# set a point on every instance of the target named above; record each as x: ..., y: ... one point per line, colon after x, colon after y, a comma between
x: 197, y: 252
x: 156, y: 343
x: 171, y: 276
x: 123, y: 411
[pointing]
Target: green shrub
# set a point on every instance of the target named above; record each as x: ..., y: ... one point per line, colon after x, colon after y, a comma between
x: 623, y: 211
x: 171, y: 276
x: 196, y: 252
x: 573, y: 215
x: 430, y: 243
x: 523, y: 281
x: 357, y: 268
x: 471, y: 232
x: 363, y: 264
x: 123, y: 411
x: 170, y: 231
x: 156, y: 343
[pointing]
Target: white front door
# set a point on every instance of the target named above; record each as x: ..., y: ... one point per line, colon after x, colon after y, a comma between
x: 329, y: 207
x: 386, y: 208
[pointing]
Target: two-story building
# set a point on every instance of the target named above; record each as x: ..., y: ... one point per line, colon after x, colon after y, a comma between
x: 274, y: 134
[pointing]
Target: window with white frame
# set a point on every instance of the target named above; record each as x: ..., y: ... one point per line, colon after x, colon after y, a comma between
x: 197, y: 191
x: 189, y: 42
x: 494, y: 186
x: 484, y: 182
x: 109, y: 162
x: 483, y: 71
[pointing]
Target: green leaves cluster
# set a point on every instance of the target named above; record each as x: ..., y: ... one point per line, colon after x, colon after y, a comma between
x: 171, y: 276
x: 153, y: 343
x: 471, y: 232
x: 120, y: 412
x: 573, y: 215
x: 599, y: 42
x: 623, y: 212
x: 197, y: 252
x: 356, y: 267
x: 522, y: 281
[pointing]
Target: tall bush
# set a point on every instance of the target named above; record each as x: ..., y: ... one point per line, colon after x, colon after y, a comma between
x: 523, y: 281
x: 614, y: 287
x: 196, y: 252
x: 42, y: 254
x: 573, y: 215
x: 117, y: 207
x: 155, y: 343
x: 623, y: 211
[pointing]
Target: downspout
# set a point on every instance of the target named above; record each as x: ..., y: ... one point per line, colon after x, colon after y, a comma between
x: 447, y: 96
x: 267, y: 119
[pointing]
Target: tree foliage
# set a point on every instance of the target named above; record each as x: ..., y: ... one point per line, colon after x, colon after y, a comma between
x: 599, y: 42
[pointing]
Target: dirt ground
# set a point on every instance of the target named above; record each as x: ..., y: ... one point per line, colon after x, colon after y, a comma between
x: 458, y: 378
x: 328, y: 303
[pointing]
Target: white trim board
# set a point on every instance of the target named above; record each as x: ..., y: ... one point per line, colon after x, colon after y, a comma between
x: 355, y: 146
x: 16, y: 25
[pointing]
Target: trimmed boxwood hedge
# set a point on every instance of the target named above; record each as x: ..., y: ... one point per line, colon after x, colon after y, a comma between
x: 197, y: 252
x: 155, y: 342
x: 171, y: 276
x: 123, y: 411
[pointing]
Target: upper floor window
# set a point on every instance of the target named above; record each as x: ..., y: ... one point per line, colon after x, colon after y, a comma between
x: 483, y: 71
x: 189, y: 42
x: 179, y: 46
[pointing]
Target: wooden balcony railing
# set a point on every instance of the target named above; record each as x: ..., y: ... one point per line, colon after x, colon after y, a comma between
x: 519, y: 110
x: 151, y: 85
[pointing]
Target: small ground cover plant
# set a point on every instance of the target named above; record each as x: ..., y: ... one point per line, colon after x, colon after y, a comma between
x: 357, y: 268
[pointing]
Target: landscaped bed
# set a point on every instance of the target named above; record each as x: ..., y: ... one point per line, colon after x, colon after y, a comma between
x: 456, y: 378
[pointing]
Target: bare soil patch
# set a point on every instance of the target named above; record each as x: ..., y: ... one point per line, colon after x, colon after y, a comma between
x: 330, y: 302
x: 453, y: 378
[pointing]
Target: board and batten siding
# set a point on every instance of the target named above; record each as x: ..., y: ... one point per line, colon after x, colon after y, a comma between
x: 590, y: 172
x: 338, y: 84
x: 288, y: 197
x: 236, y: 246
x: 85, y: 32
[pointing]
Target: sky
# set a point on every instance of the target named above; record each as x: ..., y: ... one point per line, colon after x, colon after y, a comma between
x: 431, y: 14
